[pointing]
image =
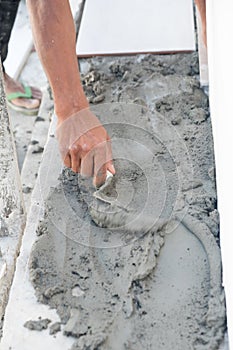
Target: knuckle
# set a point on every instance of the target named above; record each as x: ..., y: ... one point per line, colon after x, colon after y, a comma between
x: 85, y: 147
x: 74, y: 149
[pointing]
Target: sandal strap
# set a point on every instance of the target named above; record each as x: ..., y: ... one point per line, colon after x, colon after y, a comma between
x: 26, y: 94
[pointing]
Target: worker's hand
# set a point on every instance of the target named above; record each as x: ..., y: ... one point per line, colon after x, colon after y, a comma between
x: 85, y: 146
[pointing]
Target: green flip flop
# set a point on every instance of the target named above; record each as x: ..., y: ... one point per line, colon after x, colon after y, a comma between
x: 26, y: 94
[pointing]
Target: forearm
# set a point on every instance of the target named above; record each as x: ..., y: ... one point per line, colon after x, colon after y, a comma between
x: 201, y: 5
x: 54, y: 35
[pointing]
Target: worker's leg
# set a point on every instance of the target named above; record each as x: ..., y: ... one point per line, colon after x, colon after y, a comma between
x: 201, y: 5
x: 54, y: 34
x: 8, y: 11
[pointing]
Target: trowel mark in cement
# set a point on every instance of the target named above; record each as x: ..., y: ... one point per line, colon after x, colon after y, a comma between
x: 123, y: 301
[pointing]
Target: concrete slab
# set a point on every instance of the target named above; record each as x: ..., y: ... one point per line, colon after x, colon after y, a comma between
x: 22, y: 127
x: 30, y: 132
x: 22, y: 299
x: 12, y: 217
x: 35, y: 148
x: 33, y: 75
x: 133, y: 270
x: 170, y: 278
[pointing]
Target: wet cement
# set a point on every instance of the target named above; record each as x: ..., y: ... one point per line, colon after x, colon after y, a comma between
x: 121, y: 286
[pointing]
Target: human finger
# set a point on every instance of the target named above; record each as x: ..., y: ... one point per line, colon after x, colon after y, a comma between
x: 87, y: 163
x: 100, y: 169
x: 109, y: 160
x: 110, y: 167
x: 67, y: 160
x: 75, y: 158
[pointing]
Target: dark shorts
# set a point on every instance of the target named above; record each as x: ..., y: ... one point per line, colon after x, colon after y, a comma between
x: 8, y: 11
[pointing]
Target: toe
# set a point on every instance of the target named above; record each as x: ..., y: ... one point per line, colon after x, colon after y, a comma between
x: 36, y: 93
x: 26, y: 103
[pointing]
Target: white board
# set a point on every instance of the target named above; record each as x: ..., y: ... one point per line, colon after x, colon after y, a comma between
x: 220, y: 49
x: 136, y: 26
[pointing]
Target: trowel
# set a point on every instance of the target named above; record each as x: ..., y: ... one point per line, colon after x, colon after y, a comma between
x: 107, y: 211
x: 103, y: 193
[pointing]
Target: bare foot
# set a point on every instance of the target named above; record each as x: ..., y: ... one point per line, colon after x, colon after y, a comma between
x: 28, y: 103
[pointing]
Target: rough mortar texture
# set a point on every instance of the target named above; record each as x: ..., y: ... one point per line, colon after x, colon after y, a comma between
x: 12, y: 217
x: 133, y: 283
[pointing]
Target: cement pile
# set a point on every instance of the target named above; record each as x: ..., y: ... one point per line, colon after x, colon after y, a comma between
x: 120, y: 286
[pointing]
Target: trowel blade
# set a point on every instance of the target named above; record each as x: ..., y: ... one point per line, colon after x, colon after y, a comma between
x: 100, y: 193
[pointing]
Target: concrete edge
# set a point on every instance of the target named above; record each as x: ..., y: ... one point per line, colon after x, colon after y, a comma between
x: 12, y: 212
x: 23, y: 304
x: 34, y: 153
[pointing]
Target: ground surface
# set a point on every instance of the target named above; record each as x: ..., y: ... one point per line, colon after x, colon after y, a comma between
x: 23, y: 125
x: 114, y: 289
x: 134, y: 286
